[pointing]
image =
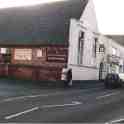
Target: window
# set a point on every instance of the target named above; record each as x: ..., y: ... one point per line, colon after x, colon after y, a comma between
x: 114, y: 51
x: 40, y: 53
x: 23, y: 54
x: 101, y: 48
x: 80, y: 47
x: 95, y: 47
x: 3, y: 50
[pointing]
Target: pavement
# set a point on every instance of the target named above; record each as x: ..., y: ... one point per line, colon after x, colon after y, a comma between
x: 30, y: 103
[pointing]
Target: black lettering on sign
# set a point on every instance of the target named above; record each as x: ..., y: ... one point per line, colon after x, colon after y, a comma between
x: 55, y: 54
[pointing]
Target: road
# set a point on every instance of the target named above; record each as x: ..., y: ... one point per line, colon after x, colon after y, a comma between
x: 97, y: 104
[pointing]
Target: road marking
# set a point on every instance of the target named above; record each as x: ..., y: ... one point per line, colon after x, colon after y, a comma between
x: 21, y: 113
x: 14, y: 98
x: 107, y: 95
x: 24, y: 97
x: 31, y: 96
x: 74, y: 103
x: 44, y: 95
x: 54, y: 106
x: 116, y: 121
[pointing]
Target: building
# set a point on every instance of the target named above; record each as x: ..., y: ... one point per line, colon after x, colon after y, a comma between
x: 37, y: 39
x: 112, y: 59
x: 83, y: 45
x: 91, y: 55
x: 118, y: 38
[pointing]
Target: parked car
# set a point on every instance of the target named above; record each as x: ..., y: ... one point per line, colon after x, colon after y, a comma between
x: 113, y: 80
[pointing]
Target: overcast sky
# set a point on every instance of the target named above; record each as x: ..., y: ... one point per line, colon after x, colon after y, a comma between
x: 110, y: 16
x: 109, y: 13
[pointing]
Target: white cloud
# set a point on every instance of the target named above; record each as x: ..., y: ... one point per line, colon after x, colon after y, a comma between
x: 110, y: 16
x: 19, y: 3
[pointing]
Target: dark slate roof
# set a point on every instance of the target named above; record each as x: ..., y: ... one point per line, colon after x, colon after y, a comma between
x: 39, y: 25
x: 118, y: 38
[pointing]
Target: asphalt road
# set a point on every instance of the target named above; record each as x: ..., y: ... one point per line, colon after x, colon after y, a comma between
x: 98, y: 105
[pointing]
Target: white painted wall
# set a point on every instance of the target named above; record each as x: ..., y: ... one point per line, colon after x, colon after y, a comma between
x: 84, y: 73
x: 89, y: 69
x: 89, y: 17
x: 88, y: 59
x: 73, y: 42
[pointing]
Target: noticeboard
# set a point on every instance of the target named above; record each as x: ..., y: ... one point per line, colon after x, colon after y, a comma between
x: 57, y: 54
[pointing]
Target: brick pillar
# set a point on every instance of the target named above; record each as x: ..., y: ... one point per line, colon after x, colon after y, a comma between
x: 35, y: 74
x: 6, y: 69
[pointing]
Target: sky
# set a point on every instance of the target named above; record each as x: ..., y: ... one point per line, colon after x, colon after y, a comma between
x: 110, y: 16
x: 109, y: 13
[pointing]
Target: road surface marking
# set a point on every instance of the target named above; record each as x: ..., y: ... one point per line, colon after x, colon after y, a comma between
x: 116, y: 121
x: 14, y: 98
x: 45, y: 95
x: 31, y: 96
x: 53, y: 106
x: 74, y: 103
x: 24, y: 97
x: 21, y: 113
x: 107, y: 95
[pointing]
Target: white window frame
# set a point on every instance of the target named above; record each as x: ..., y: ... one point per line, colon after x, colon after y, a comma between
x: 39, y: 53
x: 23, y: 54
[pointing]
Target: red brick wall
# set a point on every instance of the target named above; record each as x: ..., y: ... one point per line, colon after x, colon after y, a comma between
x: 43, y: 61
x: 3, y: 71
x: 20, y: 72
x: 30, y: 72
x: 44, y: 68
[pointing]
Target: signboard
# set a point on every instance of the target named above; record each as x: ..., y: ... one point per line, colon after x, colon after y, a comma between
x: 56, y: 54
x: 23, y: 54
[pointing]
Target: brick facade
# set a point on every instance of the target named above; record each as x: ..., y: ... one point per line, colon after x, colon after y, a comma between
x: 52, y: 56
x: 47, y: 67
x: 30, y: 72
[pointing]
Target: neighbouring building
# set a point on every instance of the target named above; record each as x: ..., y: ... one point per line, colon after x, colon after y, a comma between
x: 92, y: 55
x: 112, y: 58
x: 34, y: 40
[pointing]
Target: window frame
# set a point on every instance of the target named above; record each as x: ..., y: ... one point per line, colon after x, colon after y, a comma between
x: 81, y: 47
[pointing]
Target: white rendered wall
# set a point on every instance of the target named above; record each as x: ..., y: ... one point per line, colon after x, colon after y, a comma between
x: 84, y: 73
x: 89, y: 17
x: 88, y: 69
x: 73, y: 42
